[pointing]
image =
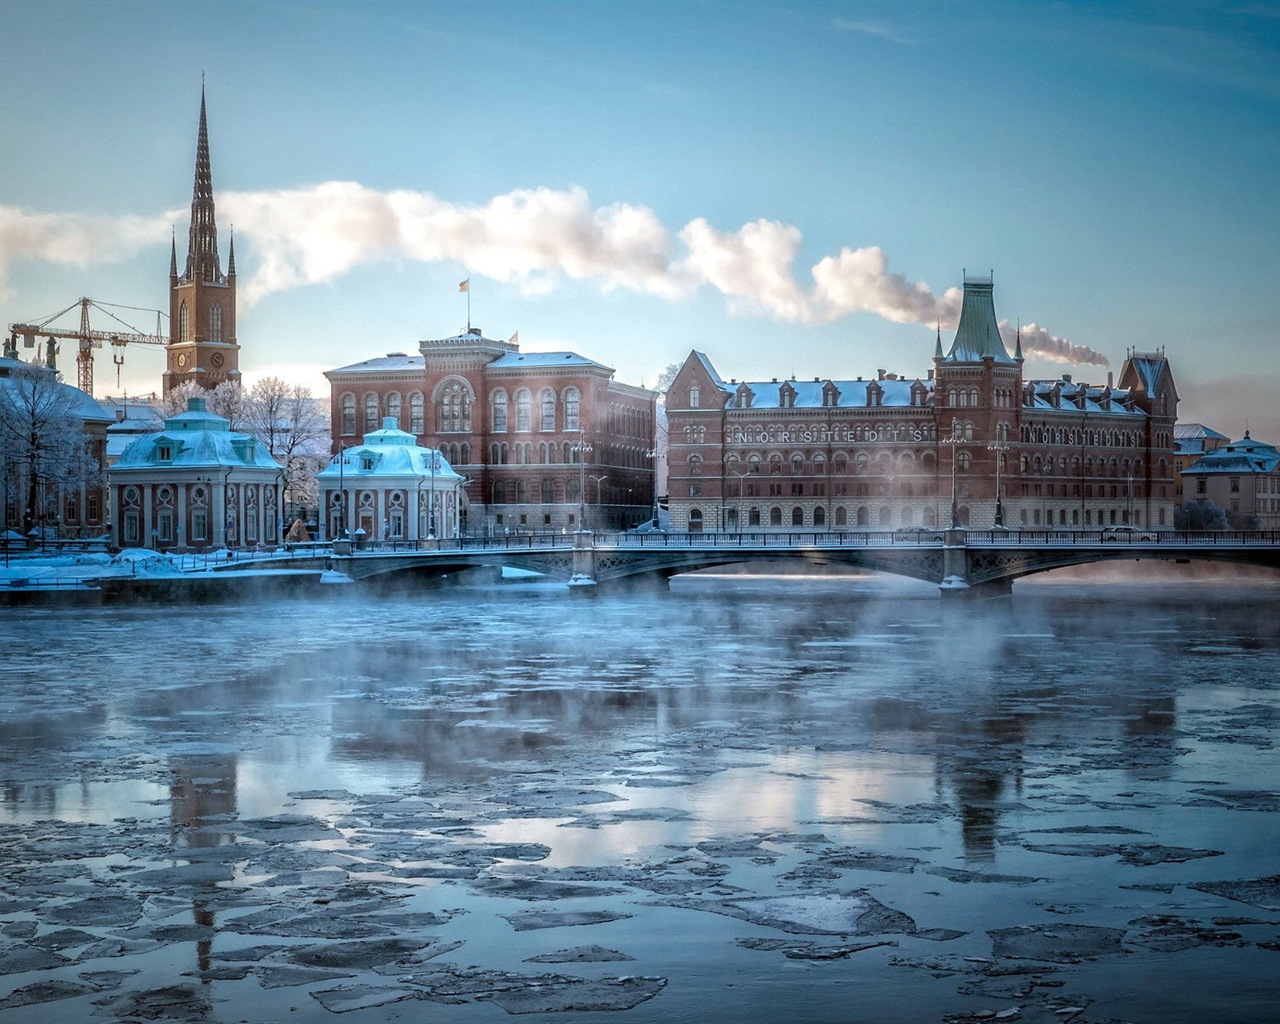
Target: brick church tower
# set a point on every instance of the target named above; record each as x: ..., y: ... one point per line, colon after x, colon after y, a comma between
x: 202, y: 300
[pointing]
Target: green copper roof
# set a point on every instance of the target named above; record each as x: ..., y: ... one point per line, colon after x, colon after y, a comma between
x: 978, y: 333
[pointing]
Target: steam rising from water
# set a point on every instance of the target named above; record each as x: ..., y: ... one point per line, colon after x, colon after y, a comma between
x: 536, y: 239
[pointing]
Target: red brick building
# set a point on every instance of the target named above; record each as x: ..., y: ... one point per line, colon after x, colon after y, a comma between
x: 889, y: 451
x: 546, y: 439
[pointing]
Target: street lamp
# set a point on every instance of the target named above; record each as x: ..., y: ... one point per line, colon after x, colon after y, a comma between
x: 999, y: 447
x: 955, y: 439
x: 742, y: 476
x: 431, y: 508
x: 599, y: 480
x: 581, y: 448
x: 655, y: 455
x: 342, y: 494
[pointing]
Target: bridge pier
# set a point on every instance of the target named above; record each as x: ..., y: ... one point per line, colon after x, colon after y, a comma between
x: 583, y: 580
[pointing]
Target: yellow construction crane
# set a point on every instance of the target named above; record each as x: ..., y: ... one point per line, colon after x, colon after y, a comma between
x: 86, y: 338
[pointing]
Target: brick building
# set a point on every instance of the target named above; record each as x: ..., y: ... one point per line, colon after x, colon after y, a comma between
x: 546, y: 440
x: 970, y: 440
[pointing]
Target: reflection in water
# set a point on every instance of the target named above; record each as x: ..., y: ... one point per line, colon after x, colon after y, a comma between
x: 788, y: 737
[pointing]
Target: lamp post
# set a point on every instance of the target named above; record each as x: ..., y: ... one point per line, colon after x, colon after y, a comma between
x: 342, y: 494
x: 655, y: 455
x: 431, y: 507
x: 999, y: 447
x: 954, y: 440
x: 599, y: 480
x: 742, y: 476
x: 1128, y: 500
x: 581, y: 448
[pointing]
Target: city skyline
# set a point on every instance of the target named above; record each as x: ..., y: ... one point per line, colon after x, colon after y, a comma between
x: 793, y: 188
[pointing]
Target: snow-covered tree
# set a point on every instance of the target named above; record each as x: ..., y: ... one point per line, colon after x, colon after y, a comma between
x: 294, y: 427
x: 1200, y: 514
x: 665, y: 378
x: 43, y: 443
x: 227, y: 399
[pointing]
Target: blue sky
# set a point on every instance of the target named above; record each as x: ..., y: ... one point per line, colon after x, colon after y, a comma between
x: 789, y: 187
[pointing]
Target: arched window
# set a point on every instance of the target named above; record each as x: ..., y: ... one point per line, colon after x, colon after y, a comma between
x: 547, y: 405
x: 348, y: 425
x: 571, y: 400
x: 842, y: 516
x: 416, y: 405
x: 797, y: 516
x: 775, y: 516
x: 548, y: 492
x: 797, y: 464
x: 393, y: 407
x: 695, y: 520
x: 753, y: 516
x: 499, y: 405
x: 864, y: 517
x: 184, y: 322
x: 819, y: 516
x: 215, y: 322
x: 453, y: 408
x: 694, y: 396
x: 695, y: 465
x: 370, y: 412
x: 886, y: 516
x: 524, y: 410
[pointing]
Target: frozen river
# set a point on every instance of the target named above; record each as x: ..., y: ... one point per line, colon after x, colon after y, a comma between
x: 748, y: 801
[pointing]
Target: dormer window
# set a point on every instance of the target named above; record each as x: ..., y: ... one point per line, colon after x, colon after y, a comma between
x: 164, y: 452
x: 745, y: 395
x: 786, y: 397
x: 366, y: 463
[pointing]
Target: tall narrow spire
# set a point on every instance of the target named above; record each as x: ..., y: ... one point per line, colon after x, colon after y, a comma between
x: 173, y: 255
x: 231, y: 253
x: 202, y: 247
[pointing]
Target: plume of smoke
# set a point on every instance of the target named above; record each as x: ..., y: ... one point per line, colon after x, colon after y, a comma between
x: 74, y: 240
x: 533, y: 238
x: 1036, y: 340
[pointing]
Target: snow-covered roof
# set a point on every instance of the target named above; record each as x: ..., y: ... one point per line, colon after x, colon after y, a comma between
x: 390, y: 362
x: 1075, y: 398
x: 195, y: 439
x: 543, y: 360
x: 1238, y: 457
x: 79, y: 404
x: 894, y: 392
x: 1183, y: 431
x: 391, y: 452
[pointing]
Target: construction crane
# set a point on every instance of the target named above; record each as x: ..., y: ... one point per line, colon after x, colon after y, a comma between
x: 86, y: 338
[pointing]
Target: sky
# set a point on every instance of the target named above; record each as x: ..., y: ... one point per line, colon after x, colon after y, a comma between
x: 791, y: 188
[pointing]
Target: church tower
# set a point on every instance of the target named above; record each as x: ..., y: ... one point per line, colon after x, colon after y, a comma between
x: 202, y: 300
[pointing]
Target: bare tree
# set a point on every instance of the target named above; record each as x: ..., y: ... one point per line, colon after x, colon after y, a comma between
x: 665, y: 378
x: 43, y: 442
x: 294, y: 427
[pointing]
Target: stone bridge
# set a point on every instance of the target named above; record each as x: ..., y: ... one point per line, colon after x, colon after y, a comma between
x: 959, y: 562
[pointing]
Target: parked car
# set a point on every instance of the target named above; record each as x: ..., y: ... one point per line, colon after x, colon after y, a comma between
x: 1126, y: 533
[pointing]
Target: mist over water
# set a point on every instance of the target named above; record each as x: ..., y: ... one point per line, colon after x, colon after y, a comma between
x: 781, y: 799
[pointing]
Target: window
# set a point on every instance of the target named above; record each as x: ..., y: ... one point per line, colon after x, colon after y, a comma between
x: 695, y: 520
x: 499, y: 404
x: 416, y: 407
x: 547, y: 405
x: 393, y: 407
x: 184, y: 322
x: 453, y: 408
x: 524, y: 410
x: 694, y: 396
x: 164, y: 453
x: 571, y: 400
x: 348, y: 414
x: 215, y: 322
x: 797, y: 516
x: 775, y: 516
x: 199, y: 524
x: 370, y: 412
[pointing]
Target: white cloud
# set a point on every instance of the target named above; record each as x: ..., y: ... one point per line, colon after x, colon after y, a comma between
x: 533, y: 238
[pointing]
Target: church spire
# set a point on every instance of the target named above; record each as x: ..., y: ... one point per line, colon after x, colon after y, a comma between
x: 231, y: 253
x: 173, y: 256
x: 202, y: 247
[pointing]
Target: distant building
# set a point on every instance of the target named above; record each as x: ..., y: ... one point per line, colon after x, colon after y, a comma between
x: 390, y: 488
x: 1242, y: 477
x: 195, y: 485
x: 1192, y: 441
x: 888, y: 451
x: 544, y: 439
x: 132, y: 418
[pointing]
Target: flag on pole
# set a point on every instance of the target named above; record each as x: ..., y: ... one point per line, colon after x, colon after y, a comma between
x: 464, y: 286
